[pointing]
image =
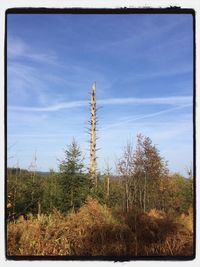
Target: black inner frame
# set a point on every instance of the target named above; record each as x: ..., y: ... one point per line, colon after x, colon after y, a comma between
x: 96, y: 11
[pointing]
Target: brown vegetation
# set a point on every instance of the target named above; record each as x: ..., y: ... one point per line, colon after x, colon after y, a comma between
x: 94, y: 231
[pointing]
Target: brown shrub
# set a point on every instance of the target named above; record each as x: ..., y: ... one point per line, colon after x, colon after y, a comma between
x: 110, y: 240
x: 186, y: 219
x: 93, y: 231
x: 157, y: 214
x: 151, y: 227
x: 180, y: 243
x: 158, y: 234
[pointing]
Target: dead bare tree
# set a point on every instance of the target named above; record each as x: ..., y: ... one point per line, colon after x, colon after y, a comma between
x: 107, y: 179
x: 93, y: 124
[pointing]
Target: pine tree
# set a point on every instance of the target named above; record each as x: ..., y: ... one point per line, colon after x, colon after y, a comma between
x: 74, y: 183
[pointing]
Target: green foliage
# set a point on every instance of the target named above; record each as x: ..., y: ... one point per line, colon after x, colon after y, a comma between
x: 74, y: 183
x: 52, y: 192
x: 73, y: 162
x: 99, y: 191
x: 184, y: 192
x: 116, y: 193
x: 25, y: 191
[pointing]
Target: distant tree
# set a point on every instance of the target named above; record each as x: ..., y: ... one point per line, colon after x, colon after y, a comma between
x: 74, y: 183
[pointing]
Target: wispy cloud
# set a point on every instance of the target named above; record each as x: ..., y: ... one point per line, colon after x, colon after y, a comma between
x: 37, y: 135
x: 161, y: 73
x: 17, y: 49
x: 136, y: 36
x: 176, y: 100
x: 64, y: 105
x: 154, y: 114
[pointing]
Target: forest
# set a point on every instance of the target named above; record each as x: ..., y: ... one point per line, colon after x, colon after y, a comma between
x: 140, y: 210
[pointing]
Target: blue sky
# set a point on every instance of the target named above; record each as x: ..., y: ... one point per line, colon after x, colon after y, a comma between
x: 143, y: 68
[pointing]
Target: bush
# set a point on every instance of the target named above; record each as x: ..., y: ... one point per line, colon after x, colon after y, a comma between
x: 158, y: 234
x: 93, y: 231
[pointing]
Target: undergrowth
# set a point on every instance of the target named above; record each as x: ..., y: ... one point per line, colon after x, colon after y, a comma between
x: 94, y: 231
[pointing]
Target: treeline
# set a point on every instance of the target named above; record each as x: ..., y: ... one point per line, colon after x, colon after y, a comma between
x: 143, y: 182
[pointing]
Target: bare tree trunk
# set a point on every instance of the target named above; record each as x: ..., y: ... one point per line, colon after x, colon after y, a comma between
x: 108, y: 187
x: 15, y: 190
x: 145, y: 192
x: 39, y: 209
x: 93, y: 123
x: 72, y: 202
x: 135, y: 192
x: 107, y: 172
x: 140, y: 198
x: 127, y: 196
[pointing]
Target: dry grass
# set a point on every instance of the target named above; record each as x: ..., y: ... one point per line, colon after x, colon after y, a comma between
x: 186, y: 219
x: 93, y: 231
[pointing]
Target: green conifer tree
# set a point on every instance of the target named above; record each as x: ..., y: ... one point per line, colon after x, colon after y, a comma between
x: 74, y: 182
